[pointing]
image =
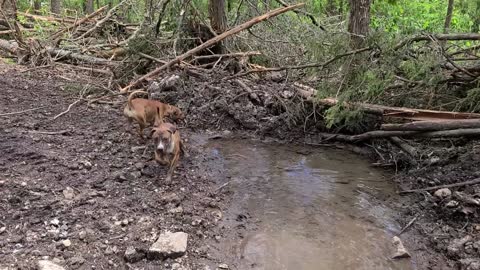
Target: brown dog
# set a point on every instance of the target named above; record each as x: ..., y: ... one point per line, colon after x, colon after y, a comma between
x: 146, y: 111
x: 167, y: 146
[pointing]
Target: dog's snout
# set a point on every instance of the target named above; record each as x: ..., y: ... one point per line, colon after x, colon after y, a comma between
x: 160, y: 146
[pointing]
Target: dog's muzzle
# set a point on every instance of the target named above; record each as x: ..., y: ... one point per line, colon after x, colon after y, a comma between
x: 160, y: 147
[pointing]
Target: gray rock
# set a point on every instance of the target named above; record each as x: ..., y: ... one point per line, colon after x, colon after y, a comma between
x: 68, y: 193
x: 77, y: 260
x: 442, y: 193
x: 132, y: 255
x: 66, y: 243
x: 457, y: 245
x: 470, y: 264
x: 82, y: 235
x: 139, y: 165
x: 401, y: 251
x: 223, y: 266
x: 48, y: 265
x: 169, y: 245
x: 176, y: 210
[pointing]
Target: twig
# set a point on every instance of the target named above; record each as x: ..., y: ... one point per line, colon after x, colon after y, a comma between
x: 312, y: 65
x: 461, y: 184
x: 227, y: 55
x: 20, y: 112
x: 77, y: 23
x: 309, y: 15
x: 102, y: 21
x: 61, y: 132
x: 463, y: 36
x: 408, y: 225
x: 66, y: 111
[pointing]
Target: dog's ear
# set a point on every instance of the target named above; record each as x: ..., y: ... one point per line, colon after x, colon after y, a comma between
x: 172, y: 129
x: 152, y: 132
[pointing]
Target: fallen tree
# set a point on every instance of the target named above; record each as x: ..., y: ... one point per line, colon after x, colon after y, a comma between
x: 58, y: 54
x: 434, y: 125
x: 377, y: 134
x: 401, y: 112
x: 209, y: 43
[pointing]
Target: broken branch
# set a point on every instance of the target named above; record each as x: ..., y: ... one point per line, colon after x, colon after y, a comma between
x: 461, y: 184
x: 461, y: 36
x: 209, y: 43
x: 434, y: 125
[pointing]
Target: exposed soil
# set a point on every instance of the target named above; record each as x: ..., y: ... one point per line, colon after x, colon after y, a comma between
x: 94, y: 183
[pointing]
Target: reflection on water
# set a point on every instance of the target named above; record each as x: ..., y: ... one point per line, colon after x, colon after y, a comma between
x: 313, y: 211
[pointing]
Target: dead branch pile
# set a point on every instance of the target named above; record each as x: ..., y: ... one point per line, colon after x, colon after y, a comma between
x: 100, y: 41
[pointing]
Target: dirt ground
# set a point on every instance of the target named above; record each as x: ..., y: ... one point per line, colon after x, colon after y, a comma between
x: 86, y: 177
x: 92, y: 183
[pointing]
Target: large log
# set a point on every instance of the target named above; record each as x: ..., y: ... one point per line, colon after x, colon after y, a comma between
x: 209, y: 43
x: 377, y: 134
x: 404, y: 113
x: 434, y: 125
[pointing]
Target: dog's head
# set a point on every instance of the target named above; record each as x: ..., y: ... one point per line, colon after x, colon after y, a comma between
x: 163, y: 136
x: 175, y: 113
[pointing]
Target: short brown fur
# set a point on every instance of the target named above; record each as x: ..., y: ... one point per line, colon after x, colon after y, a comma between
x: 149, y: 112
x: 168, y: 136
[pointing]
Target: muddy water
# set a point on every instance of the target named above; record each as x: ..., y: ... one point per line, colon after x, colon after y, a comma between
x: 314, y: 209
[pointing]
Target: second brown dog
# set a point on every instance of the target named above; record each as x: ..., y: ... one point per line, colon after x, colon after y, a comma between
x: 167, y: 146
x: 149, y: 112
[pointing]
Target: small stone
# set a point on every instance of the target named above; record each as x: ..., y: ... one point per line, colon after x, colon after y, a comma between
x: 125, y: 222
x: 48, y: 265
x: 3, y: 229
x: 136, y: 174
x: 456, y: 246
x: 139, y: 165
x: 77, y: 260
x: 452, y: 204
x: 176, y: 210
x: 66, y: 243
x: 68, y: 193
x: 117, y: 223
x: 55, y: 222
x: 401, y: 250
x: 119, y: 176
x: 23, y: 184
x: 442, y: 193
x: 82, y: 235
x: 223, y: 266
x: 169, y: 245
x: 87, y: 164
x: 170, y: 198
x: 132, y: 255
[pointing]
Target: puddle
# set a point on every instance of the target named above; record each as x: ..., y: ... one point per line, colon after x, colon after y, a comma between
x: 314, y: 209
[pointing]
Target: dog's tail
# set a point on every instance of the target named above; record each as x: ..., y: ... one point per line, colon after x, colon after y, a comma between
x: 132, y: 95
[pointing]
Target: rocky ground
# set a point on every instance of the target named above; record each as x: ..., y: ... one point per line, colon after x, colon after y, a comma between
x: 81, y: 189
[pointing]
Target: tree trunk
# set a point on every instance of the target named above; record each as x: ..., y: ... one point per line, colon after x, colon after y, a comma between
x: 37, y: 5
x: 10, y: 8
x: 359, y: 21
x: 218, y: 18
x: 476, y: 23
x: 448, y: 18
x: 89, y: 9
x: 56, y: 6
